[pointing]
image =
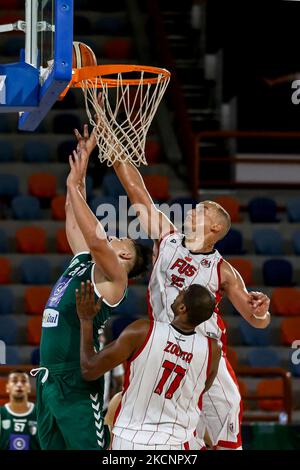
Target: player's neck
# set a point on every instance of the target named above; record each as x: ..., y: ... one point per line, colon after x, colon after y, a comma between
x: 19, y: 407
x: 180, y: 325
x: 199, y: 245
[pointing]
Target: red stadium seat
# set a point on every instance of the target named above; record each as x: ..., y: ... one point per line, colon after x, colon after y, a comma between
x: 31, y: 240
x: 36, y: 298
x: 244, y: 393
x: 289, y: 329
x: 285, y: 301
x: 158, y: 186
x: 231, y: 205
x: 42, y: 185
x: 245, y: 268
x: 5, y: 270
x: 34, y: 327
x: 58, y: 207
x: 152, y: 151
x: 62, y: 244
x: 117, y: 49
x: 271, y: 387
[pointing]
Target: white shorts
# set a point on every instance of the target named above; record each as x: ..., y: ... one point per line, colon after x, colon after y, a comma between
x: 118, y: 443
x: 222, y: 410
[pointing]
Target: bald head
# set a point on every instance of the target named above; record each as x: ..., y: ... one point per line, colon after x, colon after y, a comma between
x: 222, y: 218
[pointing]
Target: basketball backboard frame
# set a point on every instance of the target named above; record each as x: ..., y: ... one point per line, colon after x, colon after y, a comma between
x: 27, y: 86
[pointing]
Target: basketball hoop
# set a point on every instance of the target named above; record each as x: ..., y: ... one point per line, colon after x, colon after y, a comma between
x: 130, y: 95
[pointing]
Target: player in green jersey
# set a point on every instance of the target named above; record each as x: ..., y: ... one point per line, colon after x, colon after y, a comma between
x: 69, y: 410
x: 18, y: 426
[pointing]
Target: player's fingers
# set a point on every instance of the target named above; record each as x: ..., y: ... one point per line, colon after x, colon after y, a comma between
x: 77, y: 134
x: 71, y: 161
x: 82, y: 290
x: 77, y: 297
x: 85, y: 131
x: 88, y: 291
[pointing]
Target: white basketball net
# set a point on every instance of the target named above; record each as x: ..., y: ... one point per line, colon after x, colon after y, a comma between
x: 121, y: 121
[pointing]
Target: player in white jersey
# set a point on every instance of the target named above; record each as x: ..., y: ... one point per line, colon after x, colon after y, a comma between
x: 169, y: 366
x: 189, y: 258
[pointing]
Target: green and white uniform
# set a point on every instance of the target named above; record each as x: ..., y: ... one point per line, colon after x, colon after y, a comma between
x: 18, y: 431
x: 69, y: 409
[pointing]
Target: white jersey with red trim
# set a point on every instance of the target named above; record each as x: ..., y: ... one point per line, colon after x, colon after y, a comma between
x: 163, y: 387
x: 177, y: 268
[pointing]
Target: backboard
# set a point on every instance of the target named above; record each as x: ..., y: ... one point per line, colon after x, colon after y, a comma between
x: 33, y: 85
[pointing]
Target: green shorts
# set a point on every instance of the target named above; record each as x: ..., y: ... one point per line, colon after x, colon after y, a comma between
x: 69, y: 410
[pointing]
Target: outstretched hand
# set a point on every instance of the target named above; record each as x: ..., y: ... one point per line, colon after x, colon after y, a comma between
x: 86, y: 142
x: 78, y: 165
x: 86, y: 306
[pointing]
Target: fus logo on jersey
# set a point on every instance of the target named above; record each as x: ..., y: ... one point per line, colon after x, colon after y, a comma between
x: 205, y: 263
x: 50, y: 318
x: 18, y: 442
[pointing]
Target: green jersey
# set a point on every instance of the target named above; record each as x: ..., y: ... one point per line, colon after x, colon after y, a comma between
x: 60, y: 341
x: 18, y: 431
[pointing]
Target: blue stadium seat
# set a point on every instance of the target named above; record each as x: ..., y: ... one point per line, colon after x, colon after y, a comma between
x: 35, y: 270
x: 263, y: 357
x: 89, y: 187
x: 130, y: 305
x: 119, y: 324
x: 8, y: 330
x: 6, y: 154
x: 296, y: 242
x: 65, y: 123
x: 13, y: 356
x: 112, y: 186
x: 36, y: 152
x: 5, y: 125
x: 268, y: 242
x: 262, y: 209
x: 65, y: 149
x: 9, y: 185
x: 232, y: 244
x: 35, y: 357
x: 7, y: 301
x: 293, y: 209
x: 103, y: 201
x: 278, y: 273
x: 26, y: 208
x: 254, y: 336
x: 109, y: 25
x: 3, y: 241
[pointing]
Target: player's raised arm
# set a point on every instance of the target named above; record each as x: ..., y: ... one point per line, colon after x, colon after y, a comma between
x: 92, y: 364
x: 94, y: 234
x: 153, y: 221
x: 253, y: 306
x: 74, y: 235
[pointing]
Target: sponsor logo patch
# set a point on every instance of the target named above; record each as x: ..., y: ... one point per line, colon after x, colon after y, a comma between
x: 6, y: 423
x: 50, y: 318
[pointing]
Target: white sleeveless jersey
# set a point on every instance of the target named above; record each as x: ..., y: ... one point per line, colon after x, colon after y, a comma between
x: 163, y: 387
x: 177, y: 268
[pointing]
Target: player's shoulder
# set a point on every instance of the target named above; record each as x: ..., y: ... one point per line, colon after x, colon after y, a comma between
x: 139, y: 325
x: 174, y: 236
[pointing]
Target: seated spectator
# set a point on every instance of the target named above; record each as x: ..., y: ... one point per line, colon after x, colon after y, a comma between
x: 18, y: 429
